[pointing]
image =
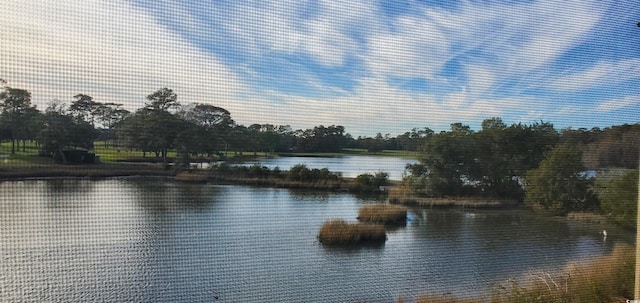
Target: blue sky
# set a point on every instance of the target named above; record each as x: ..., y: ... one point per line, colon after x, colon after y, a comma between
x: 371, y: 66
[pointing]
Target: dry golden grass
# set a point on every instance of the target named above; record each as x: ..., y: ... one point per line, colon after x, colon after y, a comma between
x: 402, y: 195
x: 383, y: 214
x: 191, y: 177
x: 339, y: 232
x: 604, y: 279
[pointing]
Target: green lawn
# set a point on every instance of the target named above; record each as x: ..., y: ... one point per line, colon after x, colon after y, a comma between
x: 109, y: 154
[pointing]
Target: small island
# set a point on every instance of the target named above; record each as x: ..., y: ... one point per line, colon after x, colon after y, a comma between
x: 340, y: 232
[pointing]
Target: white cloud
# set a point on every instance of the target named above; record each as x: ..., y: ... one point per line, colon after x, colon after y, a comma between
x: 414, y: 48
x: 375, y: 106
x: 602, y: 74
x: 615, y: 104
x: 511, y: 41
x: 279, y: 27
x: 107, y: 49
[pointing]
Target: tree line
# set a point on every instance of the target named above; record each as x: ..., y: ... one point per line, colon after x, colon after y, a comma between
x: 548, y: 169
x: 165, y: 124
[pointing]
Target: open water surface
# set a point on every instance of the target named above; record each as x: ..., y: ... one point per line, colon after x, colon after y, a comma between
x: 154, y: 240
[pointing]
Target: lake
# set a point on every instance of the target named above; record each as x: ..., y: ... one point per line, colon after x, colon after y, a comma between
x: 155, y: 240
x: 347, y: 166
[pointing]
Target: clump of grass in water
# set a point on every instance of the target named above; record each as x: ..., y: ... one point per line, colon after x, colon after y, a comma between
x: 383, y: 213
x: 339, y: 232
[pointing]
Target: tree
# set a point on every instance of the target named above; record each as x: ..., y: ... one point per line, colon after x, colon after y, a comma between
x: 444, y: 165
x: 619, y: 198
x: 163, y: 99
x: 206, y: 128
x: 15, y: 103
x: 109, y: 115
x: 559, y: 184
x: 84, y: 108
x: 161, y: 123
x: 62, y: 130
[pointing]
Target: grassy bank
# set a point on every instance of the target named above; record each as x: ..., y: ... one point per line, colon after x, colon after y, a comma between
x: 605, y: 279
x: 339, y: 232
x: 400, y: 195
x: 383, y: 214
x: 91, y: 171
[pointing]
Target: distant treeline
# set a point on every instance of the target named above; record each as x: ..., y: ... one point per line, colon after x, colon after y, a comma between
x: 207, y: 130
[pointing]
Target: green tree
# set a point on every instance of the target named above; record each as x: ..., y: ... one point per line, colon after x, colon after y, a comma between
x: 619, y: 198
x: 559, y: 184
x: 85, y: 108
x: 161, y: 125
x: 208, y: 128
x: 15, y: 103
x: 163, y: 99
x: 62, y: 130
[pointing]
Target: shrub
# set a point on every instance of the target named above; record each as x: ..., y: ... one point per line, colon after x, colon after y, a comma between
x: 383, y: 214
x: 619, y: 198
x: 337, y: 231
x: 299, y: 172
x: 371, y: 182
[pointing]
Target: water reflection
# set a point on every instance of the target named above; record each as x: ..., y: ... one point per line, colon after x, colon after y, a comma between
x: 153, y: 240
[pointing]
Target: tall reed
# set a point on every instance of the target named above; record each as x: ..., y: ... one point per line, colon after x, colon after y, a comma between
x: 383, y: 214
x: 338, y: 231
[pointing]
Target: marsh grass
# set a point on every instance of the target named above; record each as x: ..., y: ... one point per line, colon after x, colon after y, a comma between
x: 339, y: 232
x: 191, y: 177
x: 383, y: 214
x: 404, y: 196
x: 605, y: 279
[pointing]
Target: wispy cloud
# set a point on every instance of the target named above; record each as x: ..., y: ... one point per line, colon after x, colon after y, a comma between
x: 616, y: 104
x: 602, y: 73
x: 330, y: 62
x: 110, y: 50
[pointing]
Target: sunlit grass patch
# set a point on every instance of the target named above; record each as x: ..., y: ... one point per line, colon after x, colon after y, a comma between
x: 383, y: 214
x: 337, y: 232
x: 604, y: 279
x: 191, y: 177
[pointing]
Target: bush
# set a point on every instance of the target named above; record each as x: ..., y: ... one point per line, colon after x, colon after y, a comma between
x: 299, y: 172
x: 371, y: 182
x: 619, y: 198
x: 383, y: 214
x: 337, y: 232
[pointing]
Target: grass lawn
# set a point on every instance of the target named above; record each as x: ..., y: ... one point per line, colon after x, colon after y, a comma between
x: 359, y: 152
x: 108, y: 153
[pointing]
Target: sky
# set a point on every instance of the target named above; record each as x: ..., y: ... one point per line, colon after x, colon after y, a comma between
x: 371, y: 66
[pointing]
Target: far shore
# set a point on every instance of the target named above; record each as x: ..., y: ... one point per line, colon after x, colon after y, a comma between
x: 398, y: 195
x: 13, y: 173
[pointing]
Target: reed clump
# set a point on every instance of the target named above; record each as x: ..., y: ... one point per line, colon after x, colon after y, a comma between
x: 608, y: 278
x: 604, y: 279
x: 191, y: 177
x: 340, y: 232
x: 383, y: 214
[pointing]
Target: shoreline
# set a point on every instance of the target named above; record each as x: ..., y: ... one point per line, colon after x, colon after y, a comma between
x: 397, y: 195
x: 47, y: 172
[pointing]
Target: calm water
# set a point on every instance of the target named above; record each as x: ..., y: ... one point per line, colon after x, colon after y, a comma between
x: 348, y: 166
x: 153, y: 240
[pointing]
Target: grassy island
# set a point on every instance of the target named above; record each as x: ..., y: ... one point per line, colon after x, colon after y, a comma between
x: 339, y: 232
x: 383, y: 214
